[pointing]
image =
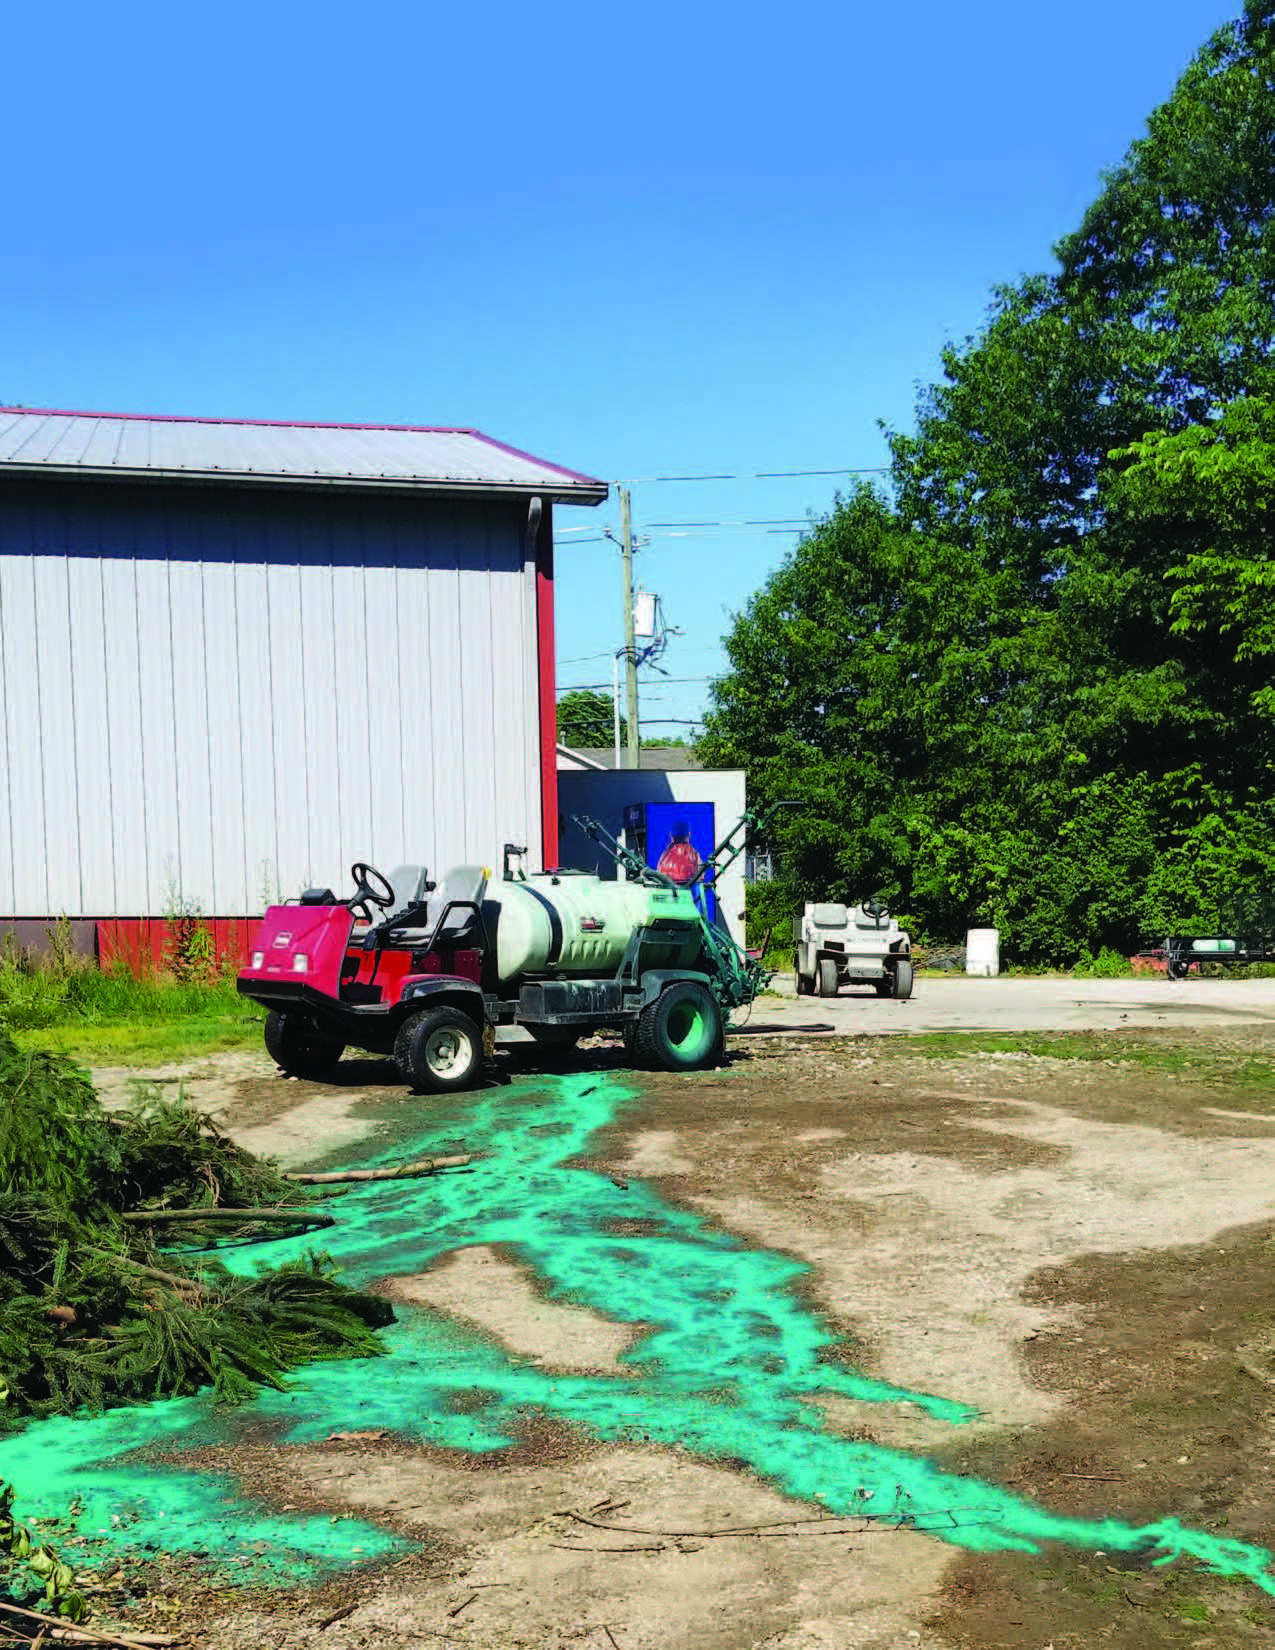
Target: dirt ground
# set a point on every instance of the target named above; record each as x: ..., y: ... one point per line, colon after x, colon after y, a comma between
x: 1079, y: 1240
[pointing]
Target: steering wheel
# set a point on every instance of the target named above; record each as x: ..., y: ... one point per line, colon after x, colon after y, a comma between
x: 368, y: 884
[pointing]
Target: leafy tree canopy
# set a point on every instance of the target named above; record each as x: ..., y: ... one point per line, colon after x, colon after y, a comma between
x: 1030, y: 688
x: 587, y: 718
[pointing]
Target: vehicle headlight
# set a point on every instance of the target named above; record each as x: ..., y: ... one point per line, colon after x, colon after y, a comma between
x: 300, y: 963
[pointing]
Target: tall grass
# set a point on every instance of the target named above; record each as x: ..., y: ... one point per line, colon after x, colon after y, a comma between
x: 80, y: 1008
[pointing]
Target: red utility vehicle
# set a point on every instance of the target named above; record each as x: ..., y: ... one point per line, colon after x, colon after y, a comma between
x: 332, y: 972
x: 560, y: 953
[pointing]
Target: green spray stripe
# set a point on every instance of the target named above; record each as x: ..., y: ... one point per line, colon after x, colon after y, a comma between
x: 129, y: 1508
x: 729, y: 1361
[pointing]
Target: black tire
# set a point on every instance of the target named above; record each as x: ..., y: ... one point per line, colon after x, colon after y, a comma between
x: 549, y: 1036
x: 827, y: 977
x: 294, y: 1043
x: 805, y: 985
x: 902, y: 981
x: 629, y: 1032
x: 681, y: 1030
x: 439, y: 1050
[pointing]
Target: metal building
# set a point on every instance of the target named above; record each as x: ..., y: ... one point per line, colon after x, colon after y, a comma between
x: 235, y: 656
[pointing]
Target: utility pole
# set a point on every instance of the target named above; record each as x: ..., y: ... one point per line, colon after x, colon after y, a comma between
x: 630, y: 639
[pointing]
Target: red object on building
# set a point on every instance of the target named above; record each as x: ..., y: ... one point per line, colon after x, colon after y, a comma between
x: 680, y: 860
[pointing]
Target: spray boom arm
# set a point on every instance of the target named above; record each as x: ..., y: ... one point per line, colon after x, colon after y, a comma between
x: 736, y: 977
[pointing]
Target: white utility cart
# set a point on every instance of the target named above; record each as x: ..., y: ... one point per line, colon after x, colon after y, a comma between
x: 836, y: 945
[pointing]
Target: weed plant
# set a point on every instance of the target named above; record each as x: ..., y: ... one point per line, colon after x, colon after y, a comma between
x: 1107, y: 965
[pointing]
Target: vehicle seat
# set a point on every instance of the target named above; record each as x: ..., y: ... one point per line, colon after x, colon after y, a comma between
x: 408, y: 883
x: 463, y: 882
x: 829, y: 916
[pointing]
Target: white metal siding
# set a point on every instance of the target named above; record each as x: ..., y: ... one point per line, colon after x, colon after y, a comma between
x: 214, y: 703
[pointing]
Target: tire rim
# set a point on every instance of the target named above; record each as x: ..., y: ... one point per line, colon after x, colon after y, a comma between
x: 448, y: 1052
x: 685, y: 1026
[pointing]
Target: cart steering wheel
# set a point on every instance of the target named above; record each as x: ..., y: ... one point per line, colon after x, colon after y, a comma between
x: 368, y: 885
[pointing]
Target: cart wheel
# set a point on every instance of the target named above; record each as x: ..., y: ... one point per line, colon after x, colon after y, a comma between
x: 681, y: 1030
x: 293, y: 1042
x: 827, y: 977
x: 902, y: 981
x: 439, y: 1050
x: 629, y: 1032
x: 1177, y: 968
x: 805, y: 985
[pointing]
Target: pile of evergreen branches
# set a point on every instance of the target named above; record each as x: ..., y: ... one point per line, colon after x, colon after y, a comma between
x: 92, y: 1311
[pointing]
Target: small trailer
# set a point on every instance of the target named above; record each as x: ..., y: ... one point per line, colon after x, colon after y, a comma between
x: 836, y: 945
x: 561, y: 953
x: 1231, y: 950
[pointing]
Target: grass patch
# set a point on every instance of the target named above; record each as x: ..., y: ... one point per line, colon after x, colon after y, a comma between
x: 114, y: 1017
x: 943, y: 1045
x: 1097, y: 1048
x: 130, y: 1042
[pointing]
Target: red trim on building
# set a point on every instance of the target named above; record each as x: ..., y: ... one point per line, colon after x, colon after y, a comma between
x: 548, y: 692
x: 145, y: 945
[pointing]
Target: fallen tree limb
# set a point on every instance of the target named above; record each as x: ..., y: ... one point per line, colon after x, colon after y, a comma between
x: 223, y: 1217
x: 427, y: 1165
x: 64, y: 1632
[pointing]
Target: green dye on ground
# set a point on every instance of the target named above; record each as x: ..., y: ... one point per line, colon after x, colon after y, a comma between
x: 730, y: 1362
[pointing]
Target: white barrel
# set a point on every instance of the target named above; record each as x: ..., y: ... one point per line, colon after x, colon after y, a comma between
x: 983, y: 952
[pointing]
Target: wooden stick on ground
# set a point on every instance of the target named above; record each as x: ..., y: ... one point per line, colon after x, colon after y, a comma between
x: 65, y: 1631
x: 239, y: 1217
x: 427, y: 1165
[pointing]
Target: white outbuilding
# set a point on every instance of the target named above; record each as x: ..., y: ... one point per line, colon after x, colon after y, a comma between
x: 236, y: 656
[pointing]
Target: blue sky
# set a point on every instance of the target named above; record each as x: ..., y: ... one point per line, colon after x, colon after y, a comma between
x: 671, y: 241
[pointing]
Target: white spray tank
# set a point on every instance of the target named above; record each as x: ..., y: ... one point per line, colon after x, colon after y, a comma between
x: 576, y: 925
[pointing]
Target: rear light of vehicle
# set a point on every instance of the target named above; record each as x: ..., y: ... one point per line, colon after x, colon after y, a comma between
x: 258, y: 959
x: 300, y: 963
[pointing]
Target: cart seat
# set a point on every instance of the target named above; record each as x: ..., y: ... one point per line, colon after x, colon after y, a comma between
x: 829, y: 916
x: 462, y: 882
x: 408, y: 883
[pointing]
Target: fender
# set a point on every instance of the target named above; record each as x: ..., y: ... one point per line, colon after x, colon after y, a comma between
x: 654, y: 980
x: 449, y: 988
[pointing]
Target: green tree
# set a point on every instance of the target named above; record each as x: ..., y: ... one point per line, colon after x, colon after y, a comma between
x: 1210, y: 490
x: 587, y: 718
x: 1002, y: 695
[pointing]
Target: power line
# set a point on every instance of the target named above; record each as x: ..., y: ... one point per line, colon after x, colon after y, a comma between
x: 598, y: 687
x: 768, y: 475
x: 761, y: 521
x: 660, y: 530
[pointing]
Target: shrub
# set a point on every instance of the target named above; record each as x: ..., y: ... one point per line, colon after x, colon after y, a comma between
x: 1107, y: 965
